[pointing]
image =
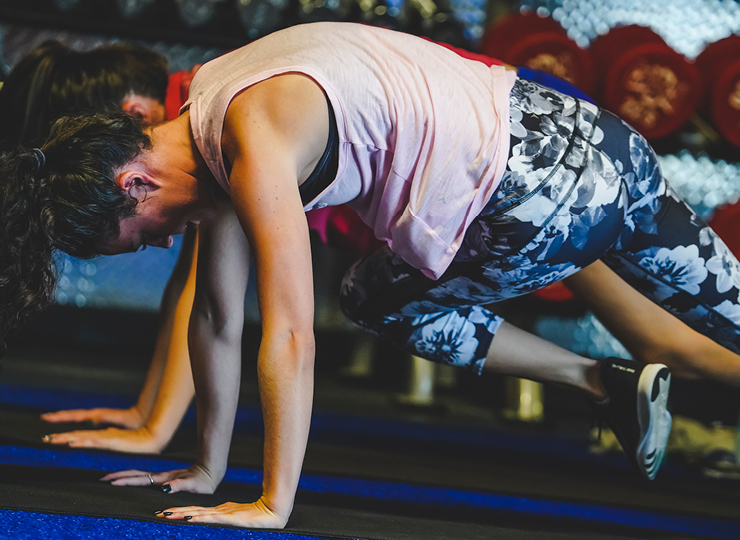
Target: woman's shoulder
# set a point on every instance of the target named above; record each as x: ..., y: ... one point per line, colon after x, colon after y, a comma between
x: 283, y: 99
x: 290, y: 110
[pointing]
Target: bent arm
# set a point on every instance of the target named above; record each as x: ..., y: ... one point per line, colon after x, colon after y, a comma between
x: 168, y: 388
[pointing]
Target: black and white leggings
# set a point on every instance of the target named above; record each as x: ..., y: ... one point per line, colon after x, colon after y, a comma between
x: 580, y: 185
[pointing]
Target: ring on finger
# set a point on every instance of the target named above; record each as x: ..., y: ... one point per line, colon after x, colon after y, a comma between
x: 149, y: 476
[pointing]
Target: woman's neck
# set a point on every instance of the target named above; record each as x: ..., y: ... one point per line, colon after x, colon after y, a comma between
x: 173, y: 147
x: 174, y: 157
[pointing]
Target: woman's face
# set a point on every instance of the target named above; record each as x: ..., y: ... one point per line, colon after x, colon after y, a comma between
x: 169, y: 199
x: 153, y: 224
x: 160, y: 215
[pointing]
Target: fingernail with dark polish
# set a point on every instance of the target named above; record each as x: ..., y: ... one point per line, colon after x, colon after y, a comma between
x: 166, y: 488
x: 158, y: 511
x: 186, y: 518
x: 168, y: 513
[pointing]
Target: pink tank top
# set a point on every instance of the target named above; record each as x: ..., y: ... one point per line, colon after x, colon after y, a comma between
x: 424, y: 133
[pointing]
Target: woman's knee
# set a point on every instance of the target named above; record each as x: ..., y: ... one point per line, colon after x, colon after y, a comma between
x: 355, y: 294
x: 349, y: 298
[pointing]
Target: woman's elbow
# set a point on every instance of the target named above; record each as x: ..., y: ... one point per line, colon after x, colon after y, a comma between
x: 220, y: 324
x: 303, y: 343
x: 299, y: 343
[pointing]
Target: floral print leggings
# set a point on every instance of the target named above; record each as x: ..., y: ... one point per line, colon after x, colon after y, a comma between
x: 580, y: 185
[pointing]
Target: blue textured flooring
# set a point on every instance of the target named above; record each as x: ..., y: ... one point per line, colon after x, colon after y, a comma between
x: 16, y: 525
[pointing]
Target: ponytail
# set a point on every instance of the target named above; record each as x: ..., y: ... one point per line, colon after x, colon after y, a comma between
x: 61, y: 196
x: 25, y: 111
x: 54, y: 80
x: 27, y: 276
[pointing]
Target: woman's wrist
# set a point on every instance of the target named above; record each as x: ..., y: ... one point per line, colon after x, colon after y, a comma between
x: 138, y: 417
x: 280, y: 508
x: 147, y: 441
x: 279, y: 499
x: 213, y: 472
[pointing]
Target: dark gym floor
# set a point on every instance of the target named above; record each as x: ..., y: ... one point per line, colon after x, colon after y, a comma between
x: 373, y: 469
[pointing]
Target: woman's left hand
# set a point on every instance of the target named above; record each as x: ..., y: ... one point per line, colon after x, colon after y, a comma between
x: 195, y: 479
x: 132, y: 441
x: 254, y: 515
x: 126, y: 418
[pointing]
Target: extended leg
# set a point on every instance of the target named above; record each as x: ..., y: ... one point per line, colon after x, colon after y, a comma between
x: 649, y: 332
x: 666, y: 251
x: 558, y: 209
x: 443, y: 321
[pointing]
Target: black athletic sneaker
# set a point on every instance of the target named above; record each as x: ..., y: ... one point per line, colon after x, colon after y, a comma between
x: 636, y: 410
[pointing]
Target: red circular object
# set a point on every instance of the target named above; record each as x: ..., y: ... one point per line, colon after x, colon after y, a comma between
x: 719, y: 65
x: 724, y: 102
x: 554, y: 53
x: 726, y: 223
x: 717, y: 55
x: 607, y: 48
x: 653, y: 88
x: 712, y: 61
x: 557, y: 292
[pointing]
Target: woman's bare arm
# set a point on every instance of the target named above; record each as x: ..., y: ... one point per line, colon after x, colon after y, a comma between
x: 274, y: 133
x: 148, y: 426
x: 214, y: 339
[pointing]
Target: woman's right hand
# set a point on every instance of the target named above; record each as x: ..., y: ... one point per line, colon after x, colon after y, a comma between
x: 195, y: 479
x: 124, y: 418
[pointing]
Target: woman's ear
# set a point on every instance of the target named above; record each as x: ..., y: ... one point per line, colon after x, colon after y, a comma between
x: 149, y: 109
x: 137, y: 184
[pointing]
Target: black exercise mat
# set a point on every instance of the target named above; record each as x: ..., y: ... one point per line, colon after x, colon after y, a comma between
x: 78, y: 491
x: 456, y: 467
x: 601, y: 481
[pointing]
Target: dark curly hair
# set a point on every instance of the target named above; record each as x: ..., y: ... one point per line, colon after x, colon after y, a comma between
x: 67, y: 200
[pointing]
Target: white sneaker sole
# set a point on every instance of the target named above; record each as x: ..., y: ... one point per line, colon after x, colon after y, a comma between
x: 653, y: 417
